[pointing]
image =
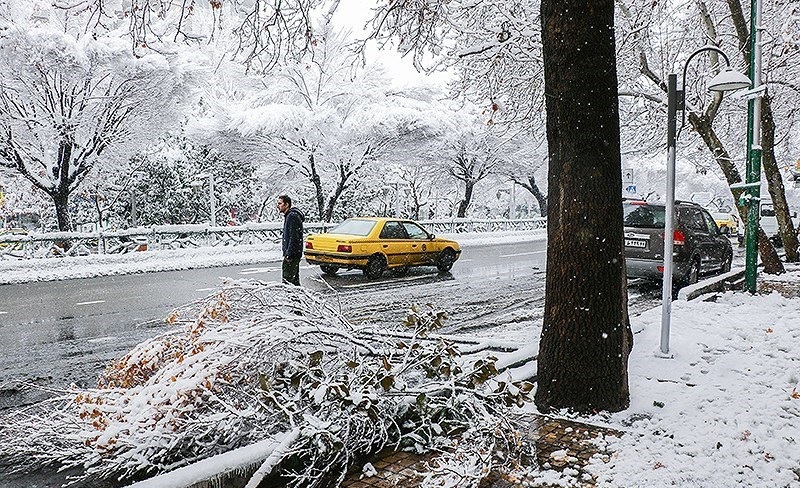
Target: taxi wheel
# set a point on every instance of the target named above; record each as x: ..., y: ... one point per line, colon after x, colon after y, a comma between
x: 446, y: 260
x: 329, y: 270
x: 376, y: 265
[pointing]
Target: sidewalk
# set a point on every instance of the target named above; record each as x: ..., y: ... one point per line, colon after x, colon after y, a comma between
x: 559, y: 445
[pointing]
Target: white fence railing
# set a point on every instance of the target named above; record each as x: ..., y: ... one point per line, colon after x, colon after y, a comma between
x: 60, y: 244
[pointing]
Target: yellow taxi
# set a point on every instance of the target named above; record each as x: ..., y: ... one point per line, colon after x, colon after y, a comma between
x: 375, y: 244
x: 728, y: 223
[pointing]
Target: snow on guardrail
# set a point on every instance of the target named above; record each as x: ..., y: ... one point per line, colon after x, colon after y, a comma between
x: 173, y: 237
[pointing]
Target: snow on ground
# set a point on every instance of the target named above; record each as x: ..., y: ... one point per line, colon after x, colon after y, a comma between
x: 23, y: 271
x: 725, y: 411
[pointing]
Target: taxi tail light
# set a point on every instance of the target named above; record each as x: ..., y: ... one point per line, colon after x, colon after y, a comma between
x: 344, y: 248
x: 309, y: 245
x: 678, y: 238
x: 660, y: 269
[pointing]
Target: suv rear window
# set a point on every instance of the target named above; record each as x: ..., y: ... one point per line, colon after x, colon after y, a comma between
x: 643, y: 216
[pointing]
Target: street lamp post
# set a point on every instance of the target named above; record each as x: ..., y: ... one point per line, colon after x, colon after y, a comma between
x: 197, y: 183
x: 753, y: 170
x: 727, y: 80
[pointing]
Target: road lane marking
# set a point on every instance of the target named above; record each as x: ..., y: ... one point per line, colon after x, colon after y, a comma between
x: 3, y: 312
x: 521, y: 254
x: 98, y: 340
x: 206, y: 289
x: 256, y: 270
x: 91, y: 303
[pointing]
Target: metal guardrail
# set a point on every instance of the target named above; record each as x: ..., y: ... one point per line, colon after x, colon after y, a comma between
x: 61, y: 244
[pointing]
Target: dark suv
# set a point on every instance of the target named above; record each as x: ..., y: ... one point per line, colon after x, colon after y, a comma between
x: 699, y: 246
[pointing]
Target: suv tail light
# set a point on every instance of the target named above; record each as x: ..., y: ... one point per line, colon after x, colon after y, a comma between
x: 309, y: 245
x: 678, y: 238
x: 344, y: 248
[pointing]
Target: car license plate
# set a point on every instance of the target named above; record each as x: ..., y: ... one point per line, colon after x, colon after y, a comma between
x: 635, y: 243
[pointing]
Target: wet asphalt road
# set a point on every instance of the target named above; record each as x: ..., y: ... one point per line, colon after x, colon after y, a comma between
x: 62, y: 332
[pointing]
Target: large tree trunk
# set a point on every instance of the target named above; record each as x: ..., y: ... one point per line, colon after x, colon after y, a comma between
x: 586, y: 337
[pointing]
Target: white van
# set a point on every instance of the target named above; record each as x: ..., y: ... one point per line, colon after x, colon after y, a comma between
x: 769, y: 222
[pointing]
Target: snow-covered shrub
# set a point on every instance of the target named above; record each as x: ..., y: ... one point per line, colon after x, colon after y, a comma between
x: 255, y: 361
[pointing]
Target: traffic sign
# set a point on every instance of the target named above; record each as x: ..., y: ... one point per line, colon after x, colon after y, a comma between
x: 627, y: 176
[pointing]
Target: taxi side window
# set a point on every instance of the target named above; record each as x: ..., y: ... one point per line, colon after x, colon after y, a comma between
x: 414, y: 231
x: 393, y: 230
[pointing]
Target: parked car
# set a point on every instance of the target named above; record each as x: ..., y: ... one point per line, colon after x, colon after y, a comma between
x: 374, y: 244
x: 727, y: 222
x: 699, y: 246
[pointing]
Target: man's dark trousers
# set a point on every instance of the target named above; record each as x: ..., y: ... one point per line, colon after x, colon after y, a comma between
x: 291, y: 271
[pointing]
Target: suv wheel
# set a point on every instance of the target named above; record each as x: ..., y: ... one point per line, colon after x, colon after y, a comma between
x: 693, y: 274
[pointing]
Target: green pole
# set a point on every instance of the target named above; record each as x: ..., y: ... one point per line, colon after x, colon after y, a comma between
x: 753, y: 171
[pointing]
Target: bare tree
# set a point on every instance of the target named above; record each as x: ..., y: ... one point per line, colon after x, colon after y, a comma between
x: 529, y: 183
x: 68, y: 104
x: 263, y: 33
x: 473, y: 160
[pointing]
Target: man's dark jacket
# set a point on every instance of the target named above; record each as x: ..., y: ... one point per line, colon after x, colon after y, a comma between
x: 293, y: 234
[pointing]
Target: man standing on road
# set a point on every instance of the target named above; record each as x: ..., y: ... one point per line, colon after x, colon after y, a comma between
x: 292, y: 241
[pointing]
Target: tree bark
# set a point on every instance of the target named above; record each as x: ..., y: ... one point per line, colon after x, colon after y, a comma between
x: 463, y: 205
x: 61, y: 201
x: 777, y: 192
x: 586, y: 337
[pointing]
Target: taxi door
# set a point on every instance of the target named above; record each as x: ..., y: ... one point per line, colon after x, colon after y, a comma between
x: 422, y: 250
x: 394, y: 243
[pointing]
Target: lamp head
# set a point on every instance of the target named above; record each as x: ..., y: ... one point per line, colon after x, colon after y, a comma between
x: 728, y: 80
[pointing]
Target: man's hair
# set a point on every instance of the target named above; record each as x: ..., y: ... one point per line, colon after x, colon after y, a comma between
x: 285, y: 199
